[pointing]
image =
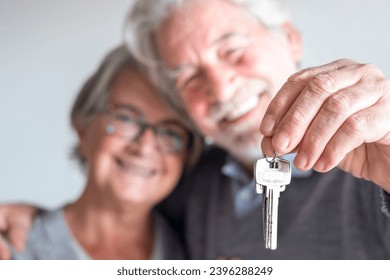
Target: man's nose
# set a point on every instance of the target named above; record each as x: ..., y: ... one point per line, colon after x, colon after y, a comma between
x: 221, y: 80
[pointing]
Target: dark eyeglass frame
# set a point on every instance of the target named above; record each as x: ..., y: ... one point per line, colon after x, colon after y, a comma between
x: 185, y: 137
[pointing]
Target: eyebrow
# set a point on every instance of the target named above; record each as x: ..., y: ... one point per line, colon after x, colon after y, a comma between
x: 128, y: 107
x: 175, y: 71
x: 227, y: 37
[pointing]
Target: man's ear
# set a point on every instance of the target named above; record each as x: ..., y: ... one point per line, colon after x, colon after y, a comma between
x: 294, y: 39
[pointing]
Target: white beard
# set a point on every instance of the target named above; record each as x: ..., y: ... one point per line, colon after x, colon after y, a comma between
x: 245, y: 148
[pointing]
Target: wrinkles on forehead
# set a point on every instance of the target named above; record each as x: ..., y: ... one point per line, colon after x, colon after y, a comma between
x: 227, y: 38
x: 198, y: 22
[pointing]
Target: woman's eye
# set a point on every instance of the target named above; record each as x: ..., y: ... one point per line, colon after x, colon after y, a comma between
x: 168, y: 133
x: 124, y: 118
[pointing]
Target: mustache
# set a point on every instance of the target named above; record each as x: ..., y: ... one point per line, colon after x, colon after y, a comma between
x: 248, y: 90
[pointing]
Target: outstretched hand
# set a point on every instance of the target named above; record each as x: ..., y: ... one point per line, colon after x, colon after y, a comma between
x: 336, y: 114
x: 15, y: 223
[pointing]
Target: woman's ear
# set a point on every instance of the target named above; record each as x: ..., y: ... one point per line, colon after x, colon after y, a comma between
x: 81, y: 135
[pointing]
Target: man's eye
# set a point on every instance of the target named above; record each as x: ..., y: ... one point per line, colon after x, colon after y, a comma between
x: 234, y: 55
x: 189, y: 81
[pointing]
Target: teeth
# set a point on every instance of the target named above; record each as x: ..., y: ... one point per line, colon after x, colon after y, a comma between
x: 136, y: 169
x: 244, y: 108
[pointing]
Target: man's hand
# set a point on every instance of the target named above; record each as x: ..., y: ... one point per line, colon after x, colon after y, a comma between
x: 15, y: 223
x: 337, y: 114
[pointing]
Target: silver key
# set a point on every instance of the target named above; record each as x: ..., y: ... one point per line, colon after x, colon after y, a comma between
x: 272, y: 176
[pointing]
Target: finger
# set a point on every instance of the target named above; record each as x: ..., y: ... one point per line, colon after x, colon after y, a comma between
x: 18, y: 232
x: 287, y: 95
x: 352, y: 134
x: 4, y: 250
x: 266, y: 146
x: 336, y: 109
x: 3, y: 224
x: 5, y: 253
x: 297, y: 120
x: 268, y: 150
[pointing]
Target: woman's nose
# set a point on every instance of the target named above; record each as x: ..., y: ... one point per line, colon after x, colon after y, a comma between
x: 146, y: 142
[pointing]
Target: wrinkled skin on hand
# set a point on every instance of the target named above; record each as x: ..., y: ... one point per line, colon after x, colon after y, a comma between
x: 336, y: 114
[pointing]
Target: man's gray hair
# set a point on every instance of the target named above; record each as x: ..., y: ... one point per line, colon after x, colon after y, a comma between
x: 145, y: 16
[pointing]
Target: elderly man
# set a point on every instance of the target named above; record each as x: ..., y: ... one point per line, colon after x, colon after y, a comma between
x: 223, y: 65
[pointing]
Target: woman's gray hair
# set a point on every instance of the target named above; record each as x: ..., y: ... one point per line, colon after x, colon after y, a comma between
x: 144, y: 18
x: 94, y: 94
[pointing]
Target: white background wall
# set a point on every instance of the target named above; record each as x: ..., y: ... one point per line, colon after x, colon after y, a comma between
x: 49, y: 47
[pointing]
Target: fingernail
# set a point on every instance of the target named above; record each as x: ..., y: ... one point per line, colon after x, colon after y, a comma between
x: 268, y: 125
x: 281, y: 142
x: 300, y: 161
x: 320, y: 166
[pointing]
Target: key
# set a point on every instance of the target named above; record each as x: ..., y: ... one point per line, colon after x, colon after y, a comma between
x: 271, y: 177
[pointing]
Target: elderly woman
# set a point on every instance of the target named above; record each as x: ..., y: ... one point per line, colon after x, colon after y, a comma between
x: 134, y: 150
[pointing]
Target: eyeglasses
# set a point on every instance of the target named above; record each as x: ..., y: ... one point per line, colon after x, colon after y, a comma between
x: 129, y: 123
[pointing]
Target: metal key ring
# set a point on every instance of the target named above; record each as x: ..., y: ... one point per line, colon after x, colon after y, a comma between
x: 273, y: 159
